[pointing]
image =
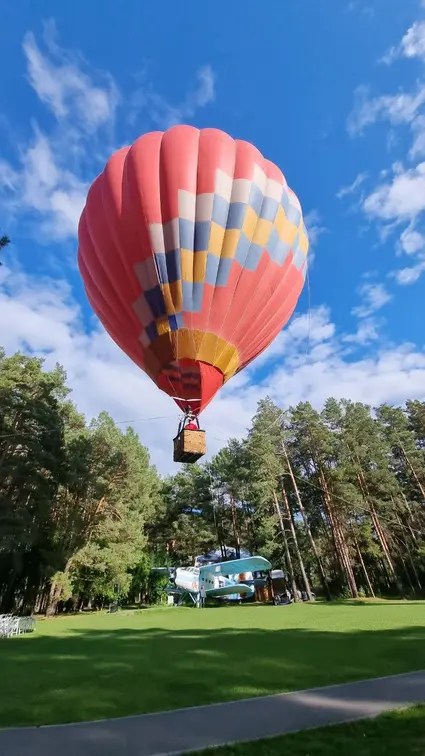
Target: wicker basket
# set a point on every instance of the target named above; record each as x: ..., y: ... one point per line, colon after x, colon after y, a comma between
x: 189, y: 446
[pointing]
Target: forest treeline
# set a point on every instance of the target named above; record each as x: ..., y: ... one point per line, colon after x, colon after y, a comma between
x: 335, y: 498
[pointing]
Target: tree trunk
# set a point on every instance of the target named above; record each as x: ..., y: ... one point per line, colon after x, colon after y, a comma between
x: 378, y: 530
x: 217, y: 529
x: 235, y: 528
x: 52, y: 602
x: 412, y: 564
x: 55, y: 593
x: 323, y: 580
x: 286, y: 548
x: 409, y: 554
x: 249, y: 528
x: 300, y: 560
x: 365, y: 572
x: 341, y: 546
x: 407, y: 573
x: 411, y: 518
x: 387, y: 575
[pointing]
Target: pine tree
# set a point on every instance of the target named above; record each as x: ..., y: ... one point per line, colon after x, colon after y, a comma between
x: 31, y: 468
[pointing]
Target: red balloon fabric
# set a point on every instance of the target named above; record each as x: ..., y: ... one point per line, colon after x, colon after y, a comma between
x: 192, y: 250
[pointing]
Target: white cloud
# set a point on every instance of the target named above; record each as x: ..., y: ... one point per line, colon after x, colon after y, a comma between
x: 407, y: 276
x: 386, y: 376
x: 309, y: 330
x: 352, y: 188
x: 315, y: 327
x: 412, y: 241
x: 411, y: 46
x: 397, y: 109
x: 367, y: 331
x: 40, y: 185
x: 365, y: 10
x: 413, y: 42
x: 206, y: 89
x: 418, y: 130
x: 42, y: 317
x: 315, y: 229
x: 43, y: 186
x: 163, y: 113
x: 401, y: 199
x: 61, y: 84
x: 374, y: 297
x: 314, y: 226
x: 405, y: 108
x: 8, y: 177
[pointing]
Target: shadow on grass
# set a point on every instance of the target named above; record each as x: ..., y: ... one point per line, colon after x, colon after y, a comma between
x: 96, y: 674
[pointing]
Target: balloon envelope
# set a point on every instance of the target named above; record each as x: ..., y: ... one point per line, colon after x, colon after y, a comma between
x: 192, y: 249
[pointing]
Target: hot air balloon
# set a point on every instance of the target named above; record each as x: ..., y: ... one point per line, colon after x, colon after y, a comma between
x: 192, y: 250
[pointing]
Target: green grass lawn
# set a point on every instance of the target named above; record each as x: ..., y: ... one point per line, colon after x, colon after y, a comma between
x: 401, y: 732
x: 96, y: 666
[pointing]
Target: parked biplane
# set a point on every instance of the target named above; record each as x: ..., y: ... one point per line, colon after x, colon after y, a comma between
x: 233, y: 579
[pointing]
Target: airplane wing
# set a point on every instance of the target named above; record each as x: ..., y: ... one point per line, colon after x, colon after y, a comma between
x: 229, y: 590
x: 237, y: 566
x: 163, y: 570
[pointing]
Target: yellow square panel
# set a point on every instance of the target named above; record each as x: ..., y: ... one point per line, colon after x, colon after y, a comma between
x: 173, y: 297
x: 186, y: 344
x: 262, y: 232
x: 216, y: 239
x: 227, y: 361
x: 186, y: 264
x: 162, y: 325
x: 280, y: 220
x: 199, y: 266
x: 303, y: 242
x: 176, y: 291
x: 208, y: 348
x: 230, y: 242
x: 168, y: 299
x: 250, y: 222
x: 288, y: 233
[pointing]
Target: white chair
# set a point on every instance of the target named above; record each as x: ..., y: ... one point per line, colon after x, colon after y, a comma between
x: 12, y: 625
x: 4, y: 625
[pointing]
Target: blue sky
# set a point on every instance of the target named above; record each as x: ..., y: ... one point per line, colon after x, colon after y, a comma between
x: 333, y: 91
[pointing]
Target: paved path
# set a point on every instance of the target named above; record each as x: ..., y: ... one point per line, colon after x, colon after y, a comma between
x: 178, y: 732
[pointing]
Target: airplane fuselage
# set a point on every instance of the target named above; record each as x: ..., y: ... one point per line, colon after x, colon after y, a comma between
x: 188, y: 579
